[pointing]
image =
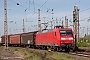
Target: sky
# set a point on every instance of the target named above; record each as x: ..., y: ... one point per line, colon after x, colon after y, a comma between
x: 28, y: 10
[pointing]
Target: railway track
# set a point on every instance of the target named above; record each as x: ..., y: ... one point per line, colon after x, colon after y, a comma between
x: 78, y: 55
x: 82, y: 54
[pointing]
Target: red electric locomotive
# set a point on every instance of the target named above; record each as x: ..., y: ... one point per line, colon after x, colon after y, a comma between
x: 58, y: 38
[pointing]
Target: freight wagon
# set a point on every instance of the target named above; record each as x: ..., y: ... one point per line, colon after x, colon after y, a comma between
x: 15, y: 39
x: 23, y: 39
x: 2, y: 42
x: 28, y: 39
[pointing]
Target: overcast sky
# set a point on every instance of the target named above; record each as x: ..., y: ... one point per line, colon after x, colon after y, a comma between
x: 28, y: 10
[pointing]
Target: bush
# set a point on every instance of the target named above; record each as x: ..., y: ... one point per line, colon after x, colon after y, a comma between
x: 82, y: 42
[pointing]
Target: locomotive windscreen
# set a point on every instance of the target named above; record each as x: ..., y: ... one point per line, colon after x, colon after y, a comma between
x: 65, y: 32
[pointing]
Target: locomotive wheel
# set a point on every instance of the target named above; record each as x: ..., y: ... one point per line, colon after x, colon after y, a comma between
x: 67, y: 49
x: 57, y: 49
x: 54, y: 48
x: 44, y: 47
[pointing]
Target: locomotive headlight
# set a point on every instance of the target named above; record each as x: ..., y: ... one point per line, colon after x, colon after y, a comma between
x: 70, y: 38
x: 66, y: 38
x: 63, y: 38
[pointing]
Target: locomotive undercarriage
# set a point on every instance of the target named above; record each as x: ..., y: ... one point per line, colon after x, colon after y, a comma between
x: 67, y: 47
x: 63, y: 47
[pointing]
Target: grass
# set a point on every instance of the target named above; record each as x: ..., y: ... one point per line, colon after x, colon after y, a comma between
x: 83, y: 42
x: 27, y: 55
x: 34, y: 54
x: 55, y: 55
x: 59, y: 56
x: 2, y: 47
x: 0, y: 59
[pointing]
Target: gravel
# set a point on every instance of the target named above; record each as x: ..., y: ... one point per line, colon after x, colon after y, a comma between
x: 9, y: 55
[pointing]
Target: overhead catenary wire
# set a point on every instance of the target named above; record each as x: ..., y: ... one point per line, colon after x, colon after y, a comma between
x: 29, y: 6
x: 80, y: 11
x: 34, y: 6
x: 40, y: 7
x: 43, y: 6
x: 21, y: 5
x: 25, y: 14
x: 18, y: 4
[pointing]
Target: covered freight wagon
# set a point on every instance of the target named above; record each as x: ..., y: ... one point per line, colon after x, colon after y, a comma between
x: 20, y: 39
x: 3, y: 39
x: 28, y: 38
x: 15, y: 39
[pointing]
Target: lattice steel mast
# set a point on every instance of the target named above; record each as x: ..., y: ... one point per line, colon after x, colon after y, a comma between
x: 39, y: 21
x: 5, y: 24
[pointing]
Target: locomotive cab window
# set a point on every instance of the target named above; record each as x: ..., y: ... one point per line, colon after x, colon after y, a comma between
x: 69, y: 32
x: 62, y: 32
x: 65, y: 32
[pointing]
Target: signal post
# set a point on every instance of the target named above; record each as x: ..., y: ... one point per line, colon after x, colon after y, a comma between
x: 76, y: 23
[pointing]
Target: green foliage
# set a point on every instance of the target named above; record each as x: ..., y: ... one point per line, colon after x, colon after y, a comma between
x: 34, y: 54
x: 27, y: 55
x: 59, y: 56
x: 83, y: 42
x: 0, y: 59
x: 88, y: 40
x: 2, y: 47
